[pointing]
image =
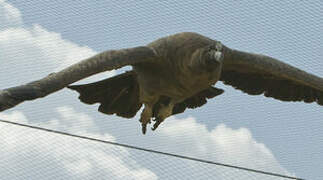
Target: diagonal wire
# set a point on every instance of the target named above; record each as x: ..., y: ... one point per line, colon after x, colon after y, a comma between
x: 149, y: 150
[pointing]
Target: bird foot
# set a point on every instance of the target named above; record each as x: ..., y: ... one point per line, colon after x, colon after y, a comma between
x: 144, y: 121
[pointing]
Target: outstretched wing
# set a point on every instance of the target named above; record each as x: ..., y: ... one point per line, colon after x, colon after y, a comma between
x: 258, y: 74
x: 108, y: 60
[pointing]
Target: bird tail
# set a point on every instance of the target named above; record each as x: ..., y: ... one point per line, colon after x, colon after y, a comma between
x: 117, y: 95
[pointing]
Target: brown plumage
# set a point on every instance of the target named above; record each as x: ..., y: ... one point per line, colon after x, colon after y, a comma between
x: 171, y: 74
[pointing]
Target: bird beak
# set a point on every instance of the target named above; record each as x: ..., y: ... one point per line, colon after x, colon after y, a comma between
x: 218, y: 52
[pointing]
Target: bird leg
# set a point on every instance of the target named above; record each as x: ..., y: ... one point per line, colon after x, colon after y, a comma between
x: 164, y: 112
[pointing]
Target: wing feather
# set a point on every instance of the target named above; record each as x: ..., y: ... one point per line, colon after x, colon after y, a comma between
x: 258, y: 74
x: 197, y: 100
x: 105, y: 61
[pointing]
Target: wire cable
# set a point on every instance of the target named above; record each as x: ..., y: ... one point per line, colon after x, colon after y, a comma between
x: 150, y: 150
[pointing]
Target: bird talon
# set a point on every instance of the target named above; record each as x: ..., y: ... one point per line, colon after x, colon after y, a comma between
x: 144, y: 124
x: 144, y: 128
x: 157, y: 123
x: 154, y: 128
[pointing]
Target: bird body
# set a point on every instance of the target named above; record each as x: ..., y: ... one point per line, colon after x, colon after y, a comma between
x: 171, y: 74
x: 177, y: 73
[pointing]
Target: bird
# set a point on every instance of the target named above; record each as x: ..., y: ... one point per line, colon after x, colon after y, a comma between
x: 169, y: 75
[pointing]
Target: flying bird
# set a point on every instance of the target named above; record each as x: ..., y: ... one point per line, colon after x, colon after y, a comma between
x: 169, y: 75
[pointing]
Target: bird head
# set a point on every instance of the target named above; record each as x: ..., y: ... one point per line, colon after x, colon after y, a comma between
x: 212, y: 56
x: 214, y: 53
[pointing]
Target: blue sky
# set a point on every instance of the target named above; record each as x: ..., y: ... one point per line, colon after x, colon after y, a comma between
x: 43, y: 36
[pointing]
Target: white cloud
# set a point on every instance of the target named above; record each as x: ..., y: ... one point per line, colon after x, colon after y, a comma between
x: 33, y: 52
x: 225, y: 144
x: 31, y: 151
x: 221, y: 144
x: 9, y: 15
x: 41, y: 155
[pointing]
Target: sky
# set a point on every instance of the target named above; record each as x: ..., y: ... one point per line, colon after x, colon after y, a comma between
x: 39, y: 37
